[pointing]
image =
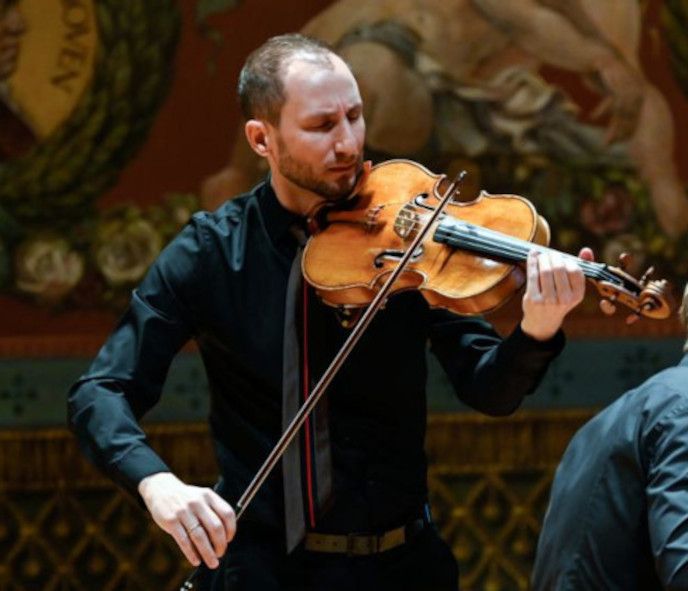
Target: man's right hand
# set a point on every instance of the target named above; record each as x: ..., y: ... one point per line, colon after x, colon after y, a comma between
x: 200, y: 521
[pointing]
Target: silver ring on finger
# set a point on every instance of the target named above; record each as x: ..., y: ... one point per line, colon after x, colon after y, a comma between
x: 194, y: 527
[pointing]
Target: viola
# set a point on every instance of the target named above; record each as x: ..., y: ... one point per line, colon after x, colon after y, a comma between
x: 472, y: 262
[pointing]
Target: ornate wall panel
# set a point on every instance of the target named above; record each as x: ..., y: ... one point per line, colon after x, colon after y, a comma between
x: 63, y: 527
x: 33, y: 387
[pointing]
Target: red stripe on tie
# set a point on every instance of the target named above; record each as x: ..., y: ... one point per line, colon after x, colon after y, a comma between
x: 307, y: 435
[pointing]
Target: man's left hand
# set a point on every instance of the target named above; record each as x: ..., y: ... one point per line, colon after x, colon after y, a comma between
x: 555, y: 285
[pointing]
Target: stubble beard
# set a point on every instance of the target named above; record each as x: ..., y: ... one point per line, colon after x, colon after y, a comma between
x: 303, y: 176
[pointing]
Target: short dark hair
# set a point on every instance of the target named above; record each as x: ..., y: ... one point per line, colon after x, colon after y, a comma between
x: 261, y: 88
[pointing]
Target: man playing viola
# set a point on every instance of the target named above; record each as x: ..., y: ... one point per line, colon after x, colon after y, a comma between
x: 359, y: 515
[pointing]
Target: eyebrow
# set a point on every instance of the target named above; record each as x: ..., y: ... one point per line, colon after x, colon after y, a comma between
x: 321, y: 115
x: 332, y: 113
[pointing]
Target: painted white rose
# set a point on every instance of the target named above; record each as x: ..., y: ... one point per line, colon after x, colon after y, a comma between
x: 47, y: 268
x: 125, y: 249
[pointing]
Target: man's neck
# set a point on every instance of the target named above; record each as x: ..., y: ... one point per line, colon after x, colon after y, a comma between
x: 293, y: 198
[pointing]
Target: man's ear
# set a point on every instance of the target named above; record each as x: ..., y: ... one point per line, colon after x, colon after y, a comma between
x: 257, y: 135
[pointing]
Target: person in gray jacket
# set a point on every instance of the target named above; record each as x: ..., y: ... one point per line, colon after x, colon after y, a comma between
x: 618, y: 512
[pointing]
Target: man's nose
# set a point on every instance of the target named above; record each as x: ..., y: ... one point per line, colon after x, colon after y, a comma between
x: 346, y: 144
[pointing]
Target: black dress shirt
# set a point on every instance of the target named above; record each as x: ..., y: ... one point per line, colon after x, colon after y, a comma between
x: 618, y: 513
x: 222, y: 281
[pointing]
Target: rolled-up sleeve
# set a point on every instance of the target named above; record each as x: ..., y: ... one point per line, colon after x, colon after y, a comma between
x: 489, y: 373
x: 126, y: 378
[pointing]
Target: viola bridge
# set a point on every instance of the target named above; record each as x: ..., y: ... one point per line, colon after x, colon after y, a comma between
x: 407, y: 221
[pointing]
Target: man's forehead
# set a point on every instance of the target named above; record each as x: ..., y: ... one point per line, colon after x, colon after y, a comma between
x: 305, y: 64
x: 320, y: 87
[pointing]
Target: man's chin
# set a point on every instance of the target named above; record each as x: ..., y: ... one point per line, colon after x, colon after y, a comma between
x: 352, y: 179
x: 341, y: 191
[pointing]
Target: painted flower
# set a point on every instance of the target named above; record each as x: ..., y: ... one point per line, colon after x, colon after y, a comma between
x: 181, y: 206
x: 609, y: 214
x: 125, y: 249
x: 47, y: 268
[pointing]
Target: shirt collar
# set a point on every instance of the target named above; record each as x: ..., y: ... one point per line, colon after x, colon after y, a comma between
x: 276, y: 218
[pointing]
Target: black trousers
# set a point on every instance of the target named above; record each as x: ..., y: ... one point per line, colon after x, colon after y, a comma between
x: 256, y: 561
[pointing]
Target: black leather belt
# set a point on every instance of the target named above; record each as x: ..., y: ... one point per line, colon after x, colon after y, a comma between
x: 365, y: 544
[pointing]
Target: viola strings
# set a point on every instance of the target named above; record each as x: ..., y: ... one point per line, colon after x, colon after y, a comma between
x: 488, y: 241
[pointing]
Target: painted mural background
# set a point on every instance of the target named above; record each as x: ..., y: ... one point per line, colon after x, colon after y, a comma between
x: 578, y: 106
x: 563, y: 102
x: 87, y: 80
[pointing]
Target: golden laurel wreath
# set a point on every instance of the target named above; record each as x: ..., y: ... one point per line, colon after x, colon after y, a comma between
x: 62, y: 176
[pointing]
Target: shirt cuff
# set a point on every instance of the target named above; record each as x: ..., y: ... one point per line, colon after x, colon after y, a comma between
x: 552, y: 346
x: 137, y: 464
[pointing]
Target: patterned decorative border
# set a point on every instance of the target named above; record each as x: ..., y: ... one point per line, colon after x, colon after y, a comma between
x: 40, y: 460
x: 48, y: 458
x: 65, y: 526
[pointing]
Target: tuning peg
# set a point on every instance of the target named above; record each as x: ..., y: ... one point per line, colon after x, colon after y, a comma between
x: 625, y: 260
x: 607, y: 307
x: 632, y: 318
x: 647, y: 306
x: 646, y: 275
